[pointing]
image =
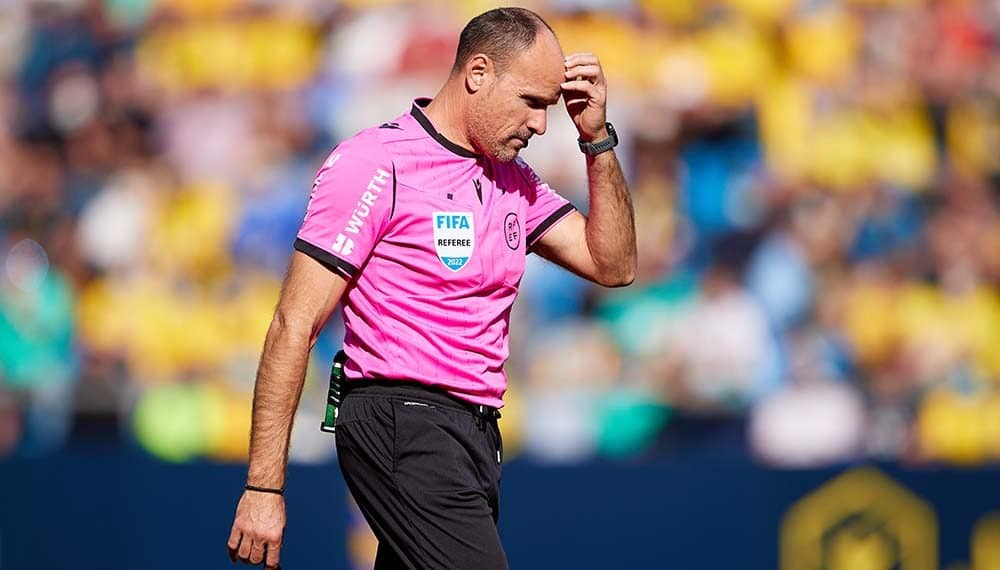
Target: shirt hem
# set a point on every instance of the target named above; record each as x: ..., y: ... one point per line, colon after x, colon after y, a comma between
x: 434, y: 387
x: 547, y: 224
x: 328, y: 259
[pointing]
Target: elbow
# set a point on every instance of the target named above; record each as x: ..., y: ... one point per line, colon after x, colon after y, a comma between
x: 293, y: 329
x: 621, y: 281
x: 627, y: 279
x: 622, y: 277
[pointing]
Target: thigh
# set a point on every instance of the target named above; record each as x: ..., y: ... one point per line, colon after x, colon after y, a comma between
x: 408, y: 466
x: 440, y: 476
x: 364, y: 438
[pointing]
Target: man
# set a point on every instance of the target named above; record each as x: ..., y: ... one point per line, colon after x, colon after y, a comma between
x: 422, y: 225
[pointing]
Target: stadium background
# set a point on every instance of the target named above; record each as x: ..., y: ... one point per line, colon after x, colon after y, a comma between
x: 816, y: 186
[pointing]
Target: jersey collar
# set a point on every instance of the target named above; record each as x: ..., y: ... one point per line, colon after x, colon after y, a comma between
x: 418, y: 113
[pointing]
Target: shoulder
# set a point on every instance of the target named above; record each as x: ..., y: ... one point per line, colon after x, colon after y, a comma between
x: 358, y: 157
x: 355, y: 163
x: 366, y: 144
x: 396, y: 137
x: 382, y: 139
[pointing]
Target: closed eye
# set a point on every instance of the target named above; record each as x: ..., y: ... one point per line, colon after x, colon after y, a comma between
x: 536, y: 102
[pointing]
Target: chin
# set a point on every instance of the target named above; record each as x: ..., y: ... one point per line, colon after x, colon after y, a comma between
x: 504, y: 154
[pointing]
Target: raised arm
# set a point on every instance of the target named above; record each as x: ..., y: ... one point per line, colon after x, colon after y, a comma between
x: 309, y: 295
x: 599, y: 247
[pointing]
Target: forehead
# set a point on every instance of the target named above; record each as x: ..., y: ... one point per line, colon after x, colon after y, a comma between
x: 539, y: 70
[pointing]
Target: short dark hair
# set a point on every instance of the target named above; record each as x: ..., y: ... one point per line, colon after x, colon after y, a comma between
x: 501, y: 34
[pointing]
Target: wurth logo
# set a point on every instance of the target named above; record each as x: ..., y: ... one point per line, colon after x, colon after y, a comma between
x: 343, y: 245
x: 364, y: 207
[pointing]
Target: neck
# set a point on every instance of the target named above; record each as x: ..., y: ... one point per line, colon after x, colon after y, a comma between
x: 446, y: 114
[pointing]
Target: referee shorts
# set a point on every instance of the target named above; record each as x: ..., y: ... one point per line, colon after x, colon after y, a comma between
x: 424, y: 468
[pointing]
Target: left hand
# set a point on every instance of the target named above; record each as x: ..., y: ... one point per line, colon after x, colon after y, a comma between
x: 585, y: 92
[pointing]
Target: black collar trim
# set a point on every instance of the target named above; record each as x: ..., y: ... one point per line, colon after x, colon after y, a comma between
x: 418, y: 114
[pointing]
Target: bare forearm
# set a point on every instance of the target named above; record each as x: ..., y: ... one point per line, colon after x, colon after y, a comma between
x: 276, y: 397
x: 611, y: 220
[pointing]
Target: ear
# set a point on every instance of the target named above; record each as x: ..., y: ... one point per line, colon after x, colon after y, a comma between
x: 478, y: 72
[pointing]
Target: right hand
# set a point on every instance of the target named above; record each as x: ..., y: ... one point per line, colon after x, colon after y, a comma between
x: 258, y: 529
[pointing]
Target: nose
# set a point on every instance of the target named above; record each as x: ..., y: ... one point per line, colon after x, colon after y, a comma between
x: 536, y: 121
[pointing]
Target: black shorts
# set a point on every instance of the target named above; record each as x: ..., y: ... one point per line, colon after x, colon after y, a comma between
x: 424, y: 468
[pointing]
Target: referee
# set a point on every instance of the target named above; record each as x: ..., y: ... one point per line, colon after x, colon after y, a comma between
x: 419, y: 228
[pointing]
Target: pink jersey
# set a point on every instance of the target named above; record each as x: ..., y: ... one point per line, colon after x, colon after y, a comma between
x: 432, y: 239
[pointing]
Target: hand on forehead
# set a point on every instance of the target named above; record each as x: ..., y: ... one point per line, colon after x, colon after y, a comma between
x: 540, y: 69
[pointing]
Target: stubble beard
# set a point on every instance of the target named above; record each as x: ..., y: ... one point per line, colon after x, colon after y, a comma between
x: 504, y: 153
x: 483, y: 137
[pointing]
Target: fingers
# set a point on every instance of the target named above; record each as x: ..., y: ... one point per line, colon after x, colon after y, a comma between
x: 581, y: 86
x: 585, y: 58
x: 254, y: 551
x: 585, y: 76
x: 234, y: 542
x: 257, y: 552
x: 585, y: 93
x: 245, y: 546
x: 257, y: 530
x: 271, y: 561
x: 591, y: 73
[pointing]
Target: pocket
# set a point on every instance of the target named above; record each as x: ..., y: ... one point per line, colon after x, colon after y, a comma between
x: 352, y: 409
x: 431, y: 454
x: 367, y: 427
x: 360, y: 408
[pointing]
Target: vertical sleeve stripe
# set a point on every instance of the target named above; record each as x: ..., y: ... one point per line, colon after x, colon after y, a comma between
x: 392, y: 212
x: 328, y: 259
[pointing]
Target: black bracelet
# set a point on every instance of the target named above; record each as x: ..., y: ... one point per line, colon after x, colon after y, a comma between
x: 250, y: 487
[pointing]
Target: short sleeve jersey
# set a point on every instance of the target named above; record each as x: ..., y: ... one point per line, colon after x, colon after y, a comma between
x: 432, y: 239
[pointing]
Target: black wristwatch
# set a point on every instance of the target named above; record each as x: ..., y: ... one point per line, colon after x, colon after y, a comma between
x: 601, y: 146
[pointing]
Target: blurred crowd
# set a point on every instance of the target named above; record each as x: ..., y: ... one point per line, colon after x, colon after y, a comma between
x: 816, y: 185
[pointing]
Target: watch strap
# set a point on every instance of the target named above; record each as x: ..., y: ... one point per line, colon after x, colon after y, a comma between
x: 608, y: 143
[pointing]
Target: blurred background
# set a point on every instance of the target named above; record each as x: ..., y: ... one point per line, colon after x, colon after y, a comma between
x: 817, y: 190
